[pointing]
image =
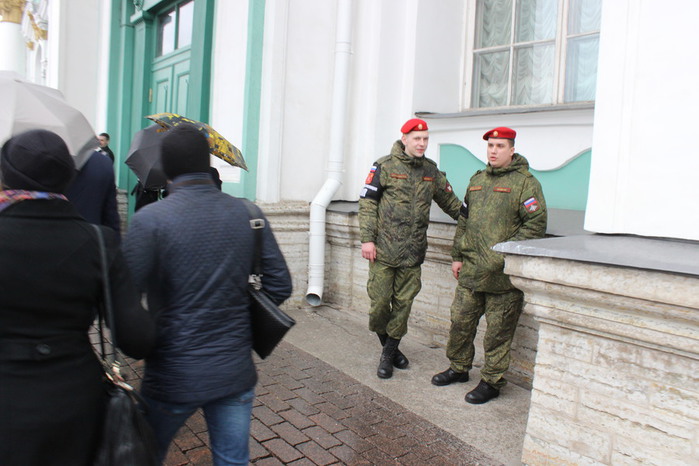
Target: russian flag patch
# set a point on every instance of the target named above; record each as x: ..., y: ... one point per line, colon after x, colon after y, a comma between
x: 370, y: 176
x: 531, y: 205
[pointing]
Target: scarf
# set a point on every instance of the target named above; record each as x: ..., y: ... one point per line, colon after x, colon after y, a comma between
x: 12, y: 196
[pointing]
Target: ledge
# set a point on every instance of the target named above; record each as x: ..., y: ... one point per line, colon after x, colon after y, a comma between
x: 508, y: 110
x: 657, y: 254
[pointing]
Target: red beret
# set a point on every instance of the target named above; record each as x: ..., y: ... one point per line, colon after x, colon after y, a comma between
x: 500, y: 132
x: 414, y: 124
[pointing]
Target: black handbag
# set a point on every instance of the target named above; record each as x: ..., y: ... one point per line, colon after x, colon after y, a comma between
x: 269, y: 323
x: 126, y: 435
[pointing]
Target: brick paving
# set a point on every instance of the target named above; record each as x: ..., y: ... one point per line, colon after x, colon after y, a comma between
x: 307, y: 412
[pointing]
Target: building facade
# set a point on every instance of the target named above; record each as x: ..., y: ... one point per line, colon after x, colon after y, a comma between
x: 601, y: 92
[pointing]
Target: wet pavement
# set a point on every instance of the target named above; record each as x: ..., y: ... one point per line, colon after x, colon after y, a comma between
x: 319, y: 402
x: 307, y: 412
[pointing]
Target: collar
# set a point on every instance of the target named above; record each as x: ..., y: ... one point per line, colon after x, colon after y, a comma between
x: 191, y: 179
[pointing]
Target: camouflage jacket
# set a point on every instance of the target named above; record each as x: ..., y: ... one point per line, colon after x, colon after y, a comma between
x: 394, y: 206
x: 501, y: 204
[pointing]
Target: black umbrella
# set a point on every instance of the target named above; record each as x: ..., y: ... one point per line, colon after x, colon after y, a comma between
x: 144, y: 157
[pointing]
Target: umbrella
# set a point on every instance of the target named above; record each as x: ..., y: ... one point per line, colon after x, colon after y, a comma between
x: 26, y: 106
x: 144, y: 157
x: 220, y: 147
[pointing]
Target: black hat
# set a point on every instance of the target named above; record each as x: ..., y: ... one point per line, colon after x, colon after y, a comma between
x: 185, y: 149
x: 36, y: 160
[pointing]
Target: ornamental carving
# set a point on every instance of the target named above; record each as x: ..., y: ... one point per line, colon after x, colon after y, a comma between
x: 11, y: 10
x: 39, y: 33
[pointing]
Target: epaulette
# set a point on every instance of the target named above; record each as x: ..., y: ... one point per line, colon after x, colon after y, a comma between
x: 431, y: 161
x: 383, y: 159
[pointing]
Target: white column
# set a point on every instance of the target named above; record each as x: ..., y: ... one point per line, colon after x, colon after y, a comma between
x: 644, y: 164
x: 12, y: 53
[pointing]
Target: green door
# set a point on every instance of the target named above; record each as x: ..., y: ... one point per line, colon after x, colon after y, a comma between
x: 170, y: 84
x: 170, y: 68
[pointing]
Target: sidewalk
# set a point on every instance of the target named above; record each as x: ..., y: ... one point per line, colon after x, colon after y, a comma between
x: 319, y: 402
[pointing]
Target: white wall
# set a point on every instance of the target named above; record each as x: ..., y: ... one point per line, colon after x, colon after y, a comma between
x: 548, y: 139
x: 228, y: 78
x: 77, y: 58
x: 397, y: 64
x: 645, y: 163
x: 440, y: 37
x: 307, y: 87
x: 407, y: 56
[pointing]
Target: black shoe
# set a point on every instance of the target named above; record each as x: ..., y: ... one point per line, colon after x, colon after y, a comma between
x: 483, y: 393
x: 399, y: 359
x: 385, y: 370
x: 449, y: 376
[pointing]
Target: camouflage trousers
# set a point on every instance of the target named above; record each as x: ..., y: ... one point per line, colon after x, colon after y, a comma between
x: 392, y: 291
x: 502, y: 311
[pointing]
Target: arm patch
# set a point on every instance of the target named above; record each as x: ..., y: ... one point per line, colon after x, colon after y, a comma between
x: 464, y: 209
x: 372, y: 185
x: 531, y: 205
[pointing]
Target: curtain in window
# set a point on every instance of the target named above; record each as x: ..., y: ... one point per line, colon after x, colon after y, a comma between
x: 491, y: 69
x: 584, y: 16
x: 581, y: 69
x: 533, y: 75
x: 534, y: 65
x: 536, y: 20
x: 495, y: 20
x: 515, y: 58
x: 492, y: 72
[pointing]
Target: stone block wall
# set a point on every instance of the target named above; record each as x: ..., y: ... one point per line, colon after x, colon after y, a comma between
x: 290, y: 224
x: 123, y: 209
x: 346, y: 275
x: 617, y: 367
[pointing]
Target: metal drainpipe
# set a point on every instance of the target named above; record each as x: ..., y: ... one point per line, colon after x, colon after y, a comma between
x: 316, y: 249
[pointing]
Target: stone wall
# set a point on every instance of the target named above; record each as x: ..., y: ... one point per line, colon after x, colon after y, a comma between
x: 617, y: 368
x: 346, y: 275
x: 123, y: 209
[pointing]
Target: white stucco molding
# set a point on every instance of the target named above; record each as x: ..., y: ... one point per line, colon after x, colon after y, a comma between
x: 549, y: 138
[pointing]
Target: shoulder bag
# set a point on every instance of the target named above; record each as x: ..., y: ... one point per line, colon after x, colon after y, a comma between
x: 126, y: 436
x: 269, y: 323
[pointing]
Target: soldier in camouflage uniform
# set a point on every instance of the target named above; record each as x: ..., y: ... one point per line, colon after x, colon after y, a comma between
x: 394, y: 212
x: 504, y: 202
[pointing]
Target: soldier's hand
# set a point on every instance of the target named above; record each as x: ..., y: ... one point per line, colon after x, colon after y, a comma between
x: 369, y: 251
x: 456, y: 268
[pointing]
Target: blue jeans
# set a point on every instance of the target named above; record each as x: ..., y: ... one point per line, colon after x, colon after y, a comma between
x: 228, y: 421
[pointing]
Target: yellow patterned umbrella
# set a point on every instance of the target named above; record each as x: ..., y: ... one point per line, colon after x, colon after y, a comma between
x: 219, y: 146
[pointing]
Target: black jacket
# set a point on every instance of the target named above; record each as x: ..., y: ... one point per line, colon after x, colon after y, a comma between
x: 93, y: 192
x: 52, y: 393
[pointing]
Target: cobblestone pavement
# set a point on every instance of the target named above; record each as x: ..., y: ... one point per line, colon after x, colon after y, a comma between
x: 308, y: 413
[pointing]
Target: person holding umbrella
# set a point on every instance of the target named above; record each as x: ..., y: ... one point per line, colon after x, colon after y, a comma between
x: 52, y: 391
x: 192, y: 253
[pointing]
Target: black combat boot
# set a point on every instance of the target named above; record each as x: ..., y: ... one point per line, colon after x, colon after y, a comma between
x: 449, y: 376
x: 399, y: 360
x: 483, y: 393
x: 385, y: 370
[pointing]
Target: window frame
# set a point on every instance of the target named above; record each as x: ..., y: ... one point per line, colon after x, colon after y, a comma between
x: 173, y: 8
x: 560, y: 60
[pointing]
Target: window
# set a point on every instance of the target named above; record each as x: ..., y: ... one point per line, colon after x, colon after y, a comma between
x: 175, y: 28
x: 535, y: 52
